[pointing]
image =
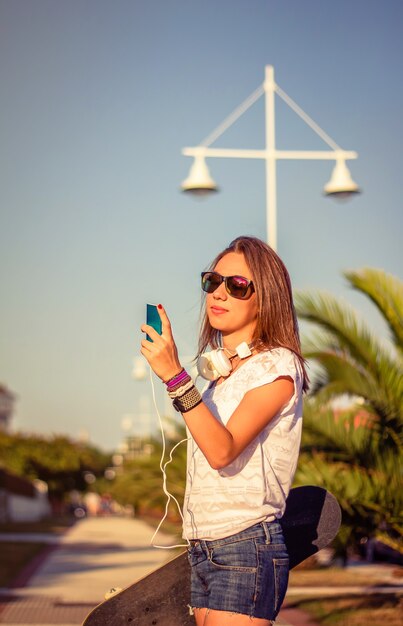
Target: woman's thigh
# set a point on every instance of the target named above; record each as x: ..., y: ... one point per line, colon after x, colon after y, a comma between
x: 200, y: 615
x: 224, y: 618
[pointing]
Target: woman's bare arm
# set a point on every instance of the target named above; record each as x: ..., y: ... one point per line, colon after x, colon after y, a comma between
x: 223, y: 444
x: 220, y: 444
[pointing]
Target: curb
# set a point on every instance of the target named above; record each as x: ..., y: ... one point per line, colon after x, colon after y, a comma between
x: 28, y: 570
x: 23, y: 577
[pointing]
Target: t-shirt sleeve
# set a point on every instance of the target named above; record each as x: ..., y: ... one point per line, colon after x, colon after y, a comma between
x: 271, y: 365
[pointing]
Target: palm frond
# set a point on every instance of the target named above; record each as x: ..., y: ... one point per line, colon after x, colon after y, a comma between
x: 386, y: 292
x: 341, y: 437
x: 339, y: 319
x: 339, y: 375
x: 357, y: 434
x: 369, y: 500
x: 337, y: 367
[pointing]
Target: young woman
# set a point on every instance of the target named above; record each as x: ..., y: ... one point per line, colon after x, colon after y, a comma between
x: 244, y: 434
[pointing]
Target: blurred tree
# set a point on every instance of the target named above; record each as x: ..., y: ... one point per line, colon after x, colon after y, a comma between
x: 141, y: 482
x: 356, y: 453
x: 59, y: 461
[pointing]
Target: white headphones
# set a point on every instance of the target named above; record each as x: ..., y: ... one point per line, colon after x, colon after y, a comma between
x: 214, y: 364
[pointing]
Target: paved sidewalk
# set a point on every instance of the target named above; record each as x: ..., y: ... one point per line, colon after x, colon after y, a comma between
x: 93, y: 556
x: 99, y: 553
x: 90, y: 558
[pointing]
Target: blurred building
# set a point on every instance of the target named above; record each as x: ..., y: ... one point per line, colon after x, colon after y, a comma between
x: 134, y: 447
x: 7, y: 400
x: 22, y: 500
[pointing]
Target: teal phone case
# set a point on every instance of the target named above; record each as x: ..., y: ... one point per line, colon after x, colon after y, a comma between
x: 153, y: 319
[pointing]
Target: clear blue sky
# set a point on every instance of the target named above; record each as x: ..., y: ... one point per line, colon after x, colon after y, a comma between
x: 97, y: 100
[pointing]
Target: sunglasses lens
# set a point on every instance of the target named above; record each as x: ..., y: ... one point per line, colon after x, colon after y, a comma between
x: 210, y: 281
x: 237, y: 286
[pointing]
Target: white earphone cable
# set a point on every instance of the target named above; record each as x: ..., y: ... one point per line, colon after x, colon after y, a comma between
x: 164, y: 478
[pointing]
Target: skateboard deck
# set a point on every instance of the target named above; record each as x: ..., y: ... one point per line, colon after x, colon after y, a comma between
x: 310, y: 522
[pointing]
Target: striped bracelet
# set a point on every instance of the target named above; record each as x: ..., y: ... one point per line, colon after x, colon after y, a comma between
x: 177, y: 379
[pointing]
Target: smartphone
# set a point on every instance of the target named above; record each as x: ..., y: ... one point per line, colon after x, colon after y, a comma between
x: 153, y: 319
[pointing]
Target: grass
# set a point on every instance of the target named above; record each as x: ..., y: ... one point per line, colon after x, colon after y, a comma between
x: 355, y: 611
x: 349, y: 610
x: 16, y: 555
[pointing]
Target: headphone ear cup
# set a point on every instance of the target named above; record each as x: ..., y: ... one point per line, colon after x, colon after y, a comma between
x: 214, y: 364
x: 221, y: 362
x: 206, y: 368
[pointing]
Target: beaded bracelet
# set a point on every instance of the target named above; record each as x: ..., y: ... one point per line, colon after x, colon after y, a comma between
x: 189, y: 400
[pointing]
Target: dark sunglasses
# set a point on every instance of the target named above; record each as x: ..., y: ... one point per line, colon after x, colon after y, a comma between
x: 237, y: 286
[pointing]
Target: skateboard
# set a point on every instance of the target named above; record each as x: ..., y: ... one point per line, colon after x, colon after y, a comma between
x: 310, y: 522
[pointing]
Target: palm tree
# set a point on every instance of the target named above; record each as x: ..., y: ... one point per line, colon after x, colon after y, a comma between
x: 356, y: 453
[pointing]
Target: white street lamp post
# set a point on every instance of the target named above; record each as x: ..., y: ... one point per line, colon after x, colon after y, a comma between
x: 199, y: 181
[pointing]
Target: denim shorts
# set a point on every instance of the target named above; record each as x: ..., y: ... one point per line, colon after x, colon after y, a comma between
x: 245, y: 573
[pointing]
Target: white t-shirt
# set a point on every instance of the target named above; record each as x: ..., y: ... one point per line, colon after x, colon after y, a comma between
x: 254, y: 487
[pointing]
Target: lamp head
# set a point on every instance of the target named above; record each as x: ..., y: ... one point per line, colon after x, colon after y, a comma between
x: 199, y: 181
x: 341, y: 185
x: 139, y: 371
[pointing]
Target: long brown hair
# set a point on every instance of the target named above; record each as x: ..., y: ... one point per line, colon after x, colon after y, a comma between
x: 277, y: 324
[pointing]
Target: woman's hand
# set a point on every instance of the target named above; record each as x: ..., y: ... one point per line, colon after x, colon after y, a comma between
x: 161, y: 353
